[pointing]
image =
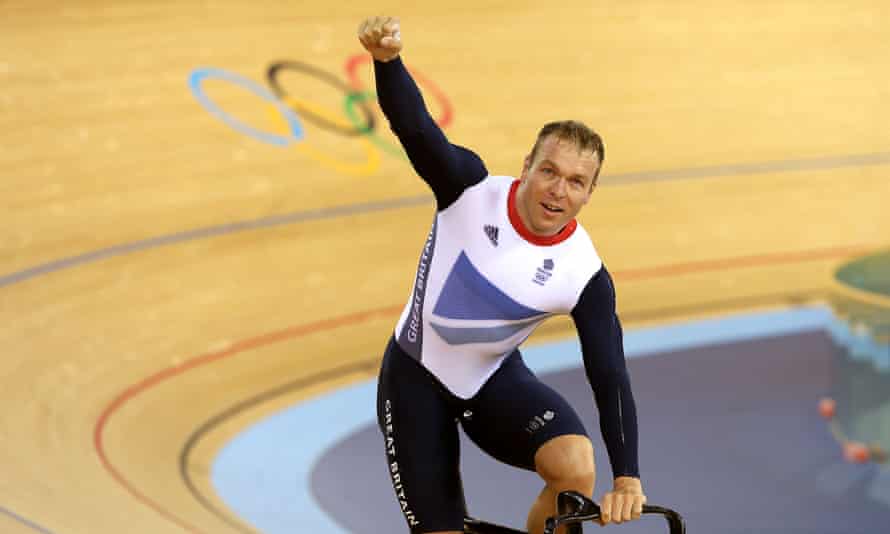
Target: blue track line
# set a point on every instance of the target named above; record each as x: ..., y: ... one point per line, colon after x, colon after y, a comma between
x: 211, y: 231
x: 24, y: 521
x: 792, y: 165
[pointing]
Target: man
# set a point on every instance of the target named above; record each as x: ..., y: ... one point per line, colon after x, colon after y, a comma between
x: 502, y: 256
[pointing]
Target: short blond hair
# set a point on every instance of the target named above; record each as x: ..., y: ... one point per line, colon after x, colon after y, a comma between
x: 577, y: 133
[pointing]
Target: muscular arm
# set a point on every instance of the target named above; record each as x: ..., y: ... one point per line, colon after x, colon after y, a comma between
x: 447, y: 168
x: 602, y: 345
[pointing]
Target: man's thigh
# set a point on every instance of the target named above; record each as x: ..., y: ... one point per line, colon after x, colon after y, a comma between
x: 515, y: 413
x: 422, y: 445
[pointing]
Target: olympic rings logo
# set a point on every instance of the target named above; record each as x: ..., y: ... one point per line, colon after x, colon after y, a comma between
x: 288, y: 112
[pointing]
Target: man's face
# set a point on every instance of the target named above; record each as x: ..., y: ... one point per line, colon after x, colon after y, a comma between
x: 555, y: 185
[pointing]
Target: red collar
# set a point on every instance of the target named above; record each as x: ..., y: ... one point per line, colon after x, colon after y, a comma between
x: 542, y: 240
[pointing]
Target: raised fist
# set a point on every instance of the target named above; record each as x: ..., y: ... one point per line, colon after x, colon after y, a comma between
x: 380, y: 36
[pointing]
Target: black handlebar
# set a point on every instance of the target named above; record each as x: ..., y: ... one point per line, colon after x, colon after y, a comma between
x: 574, y: 508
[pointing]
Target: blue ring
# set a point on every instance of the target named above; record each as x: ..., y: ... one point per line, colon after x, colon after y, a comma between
x: 198, y: 75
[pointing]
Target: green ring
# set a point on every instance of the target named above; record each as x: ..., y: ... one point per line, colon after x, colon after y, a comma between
x: 349, y: 106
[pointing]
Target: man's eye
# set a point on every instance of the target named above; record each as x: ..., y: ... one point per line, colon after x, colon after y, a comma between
x: 547, y: 170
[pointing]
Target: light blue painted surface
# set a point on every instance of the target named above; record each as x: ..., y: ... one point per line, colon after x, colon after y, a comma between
x: 263, y: 474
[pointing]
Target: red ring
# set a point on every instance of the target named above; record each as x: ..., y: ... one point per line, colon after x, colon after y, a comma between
x: 444, y: 121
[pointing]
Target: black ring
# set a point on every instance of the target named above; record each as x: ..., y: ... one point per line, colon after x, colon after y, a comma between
x: 272, y: 78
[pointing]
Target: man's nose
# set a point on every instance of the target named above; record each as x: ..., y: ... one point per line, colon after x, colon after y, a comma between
x: 558, y: 189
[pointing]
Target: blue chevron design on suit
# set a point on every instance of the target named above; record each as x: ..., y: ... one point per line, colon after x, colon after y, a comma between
x: 467, y: 297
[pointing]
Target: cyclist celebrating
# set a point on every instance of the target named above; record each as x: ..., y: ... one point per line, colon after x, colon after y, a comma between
x: 502, y: 255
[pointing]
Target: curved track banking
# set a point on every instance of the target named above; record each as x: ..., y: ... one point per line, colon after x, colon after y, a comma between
x: 195, y: 362
x: 329, y: 324
x: 369, y: 365
x: 155, y: 261
x: 383, y: 206
x: 296, y: 331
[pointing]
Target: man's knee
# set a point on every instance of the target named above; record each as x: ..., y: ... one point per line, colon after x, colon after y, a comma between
x: 567, y: 461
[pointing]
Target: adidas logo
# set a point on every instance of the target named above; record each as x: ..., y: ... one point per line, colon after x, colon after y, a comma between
x: 492, y: 233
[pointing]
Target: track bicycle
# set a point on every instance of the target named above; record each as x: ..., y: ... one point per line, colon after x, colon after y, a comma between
x: 573, y: 509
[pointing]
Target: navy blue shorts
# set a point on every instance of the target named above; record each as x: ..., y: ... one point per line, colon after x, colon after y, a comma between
x: 509, y: 418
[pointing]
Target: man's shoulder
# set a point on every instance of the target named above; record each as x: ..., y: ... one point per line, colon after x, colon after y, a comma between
x: 495, y: 181
x: 491, y: 187
x: 581, y: 238
x: 584, y: 252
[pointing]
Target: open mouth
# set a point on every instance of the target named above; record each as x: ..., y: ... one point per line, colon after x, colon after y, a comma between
x: 551, y: 208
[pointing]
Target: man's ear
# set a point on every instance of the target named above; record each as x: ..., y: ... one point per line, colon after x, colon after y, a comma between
x: 526, y: 163
x: 596, y: 175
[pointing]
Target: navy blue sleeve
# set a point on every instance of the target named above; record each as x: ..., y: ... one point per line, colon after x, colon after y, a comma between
x: 602, y: 344
x: 448, y: 169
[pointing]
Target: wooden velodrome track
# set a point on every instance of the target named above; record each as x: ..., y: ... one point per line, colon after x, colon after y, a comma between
x: 158, y: 266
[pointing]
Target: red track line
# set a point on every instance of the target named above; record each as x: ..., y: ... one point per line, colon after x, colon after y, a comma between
x: 359, y: 317
x: 742, y: 262
x: 170, y: 372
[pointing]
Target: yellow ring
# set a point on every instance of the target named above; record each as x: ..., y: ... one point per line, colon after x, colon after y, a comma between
x: 366, y: 168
